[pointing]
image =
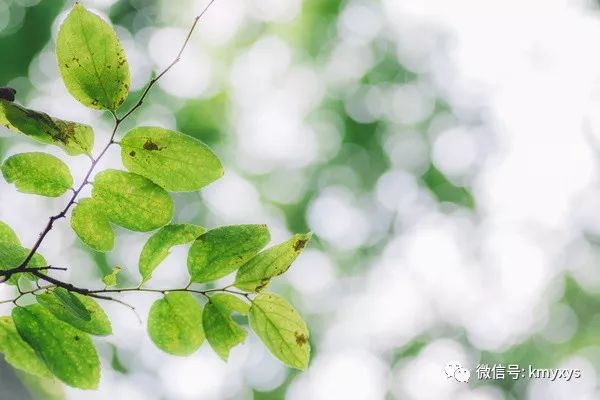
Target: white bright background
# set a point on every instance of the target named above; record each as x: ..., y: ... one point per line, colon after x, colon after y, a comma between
x: 522, y: 79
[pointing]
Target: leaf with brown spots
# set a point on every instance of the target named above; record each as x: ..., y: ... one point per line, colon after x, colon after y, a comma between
x: 72, y: 137
x: 177, y: 162
x: 281, y: 329
x: 257, y: 273
x: 92, y: 61
x: 222, y: 250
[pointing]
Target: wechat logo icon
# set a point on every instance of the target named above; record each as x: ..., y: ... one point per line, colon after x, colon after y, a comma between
x: 453, y: 369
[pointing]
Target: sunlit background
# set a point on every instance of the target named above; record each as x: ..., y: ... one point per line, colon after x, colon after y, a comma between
x: 445, y: 154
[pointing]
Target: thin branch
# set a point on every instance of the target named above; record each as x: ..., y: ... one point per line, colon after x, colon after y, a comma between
x: 171, y: 65
x: 118, y: 301
x: 49, y: 267
x: 161, y: 291
x: 59, y: 283
x: 99, y: 293
x: 6, y: 274
x: 132, y: 308
x: 32, y: 291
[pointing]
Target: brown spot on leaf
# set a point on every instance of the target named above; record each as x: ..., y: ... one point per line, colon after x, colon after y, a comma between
x: 300, y: 244
x: 150, y: 145
x: 264, y: 282
x: 132, y: 153
x: 76, y: 338
x: 7, y: 93
x: 301, y: 338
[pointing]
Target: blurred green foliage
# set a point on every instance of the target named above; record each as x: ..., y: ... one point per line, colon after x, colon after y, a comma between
x: 35, y: 32
x: 361, y: 151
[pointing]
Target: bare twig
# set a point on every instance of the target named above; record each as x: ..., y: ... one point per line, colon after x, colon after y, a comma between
x: 175, y: 61
x: 8, y: 273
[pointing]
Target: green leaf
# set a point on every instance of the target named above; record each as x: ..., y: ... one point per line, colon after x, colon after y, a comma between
x: 132, y: 201
x: 72, y: 137
x: 72, y: 304
x: 111, y: 279
x: 175, y: 324
x: 177, y: 162
x: 12, y: 255
x: 67, y: 352
x: 7, y: 235
x: 38, y: 173
x: 18, y: 353
x: 222, y: 250
x: 97, y: 324
x: 222, y: 332
x: 91, y: 60
x: 158, y: 246
x: 281, y: 329
x: 92, y: 226
x: 257, y: 273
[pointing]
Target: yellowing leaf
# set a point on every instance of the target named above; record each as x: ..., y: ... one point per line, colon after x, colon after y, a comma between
x: 92, y: 226
x: 132, y: 201
x: 158, y: 246
x: 222, y: 332
x: 67, y: 352
x: 176, y: 162
x: 222, y: 250
x: 72, y: 137
x: 281, y: 329
x: 175, y: 324
x: 111, y: 279
x: 38, y: 173
x: 256, y: 274
x: 91, y: 60
x: 18, y: 353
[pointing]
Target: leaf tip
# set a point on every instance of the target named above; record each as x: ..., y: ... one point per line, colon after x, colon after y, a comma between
x: 301, y: 241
